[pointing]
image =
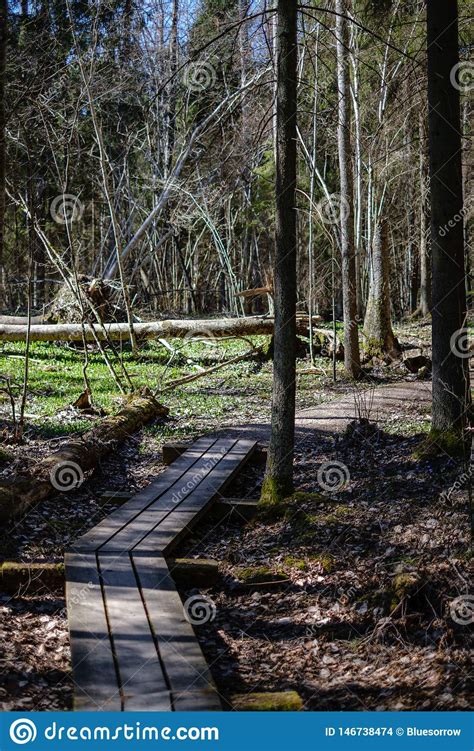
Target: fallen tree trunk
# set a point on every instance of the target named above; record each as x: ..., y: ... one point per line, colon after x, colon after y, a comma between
x: 21, y: 320
x: 184, y: 329
x: 64, y: 470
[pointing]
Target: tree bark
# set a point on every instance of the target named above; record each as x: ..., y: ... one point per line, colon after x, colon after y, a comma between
x: 180, y: 329
x: 450, y: 372
x: 64, y: 469
x: 3, y: 60
x: 349, y: 279
x: 425, y: 261
x: 377, y: 322
x: 279, y: 470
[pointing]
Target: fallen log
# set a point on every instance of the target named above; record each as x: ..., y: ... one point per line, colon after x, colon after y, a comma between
x: 64, y: 470
x: 30, y: 577
x: 184, y: 329
x: 21, y: 320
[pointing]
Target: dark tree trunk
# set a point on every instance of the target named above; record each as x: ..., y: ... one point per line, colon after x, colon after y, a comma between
x: 377, y: 323
x: 349, y: 279
x: 3, y: 59
x: 450, y: 373
x: 425, y: 260
x: 279, y: 471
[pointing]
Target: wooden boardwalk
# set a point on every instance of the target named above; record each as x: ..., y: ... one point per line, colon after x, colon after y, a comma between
x: 132, y: 646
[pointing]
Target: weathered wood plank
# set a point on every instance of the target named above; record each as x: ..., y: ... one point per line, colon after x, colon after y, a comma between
x: 186, y: 486
x: 139, y: 666
x: 95, y: 676
x: 184, y: 662
x: 148, y: 657
x: 99, y: 534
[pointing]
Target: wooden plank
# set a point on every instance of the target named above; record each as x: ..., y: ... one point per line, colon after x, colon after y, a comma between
x: 139, y: 666
x: 99, y: 534
x: 166, y: 535
x: 181, y: 654
x: 208, y: 489
x: 187, y: 485
x: 95, y: 676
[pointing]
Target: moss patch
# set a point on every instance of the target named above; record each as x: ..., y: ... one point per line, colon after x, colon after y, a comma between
x: 283, y: 701
x: 259, y: 575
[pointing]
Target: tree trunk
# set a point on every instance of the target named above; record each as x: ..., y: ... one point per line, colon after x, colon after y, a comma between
x: 3, y: 59
x: 279, y: 470
x: 181, y: 329
x: 425, y: 270
x: 450, y: 373
x: 349, y: 280
x: 377, y: 323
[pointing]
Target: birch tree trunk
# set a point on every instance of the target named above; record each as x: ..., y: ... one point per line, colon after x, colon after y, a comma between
x: 377, y: 323
x: 278, y: 481
x: 349, y: 280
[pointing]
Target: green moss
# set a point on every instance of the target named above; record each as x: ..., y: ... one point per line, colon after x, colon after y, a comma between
x: 451, y: 442
x: 275, y: 489
x: 259, y: 575
x: 298, y: 563
x: 327, y: 562
x: 404, y: 586
x: 283, y: 701
x: 308, y: 497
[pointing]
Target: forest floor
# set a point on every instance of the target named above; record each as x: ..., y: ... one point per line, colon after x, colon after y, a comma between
x: 363, y: 615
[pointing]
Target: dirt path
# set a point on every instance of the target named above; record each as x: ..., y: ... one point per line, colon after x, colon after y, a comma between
x: 382, y: 404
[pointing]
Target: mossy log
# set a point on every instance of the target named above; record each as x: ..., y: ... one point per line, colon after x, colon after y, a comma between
x: 64, y: 470
x: 281, y: 701
x: 20, y: 577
